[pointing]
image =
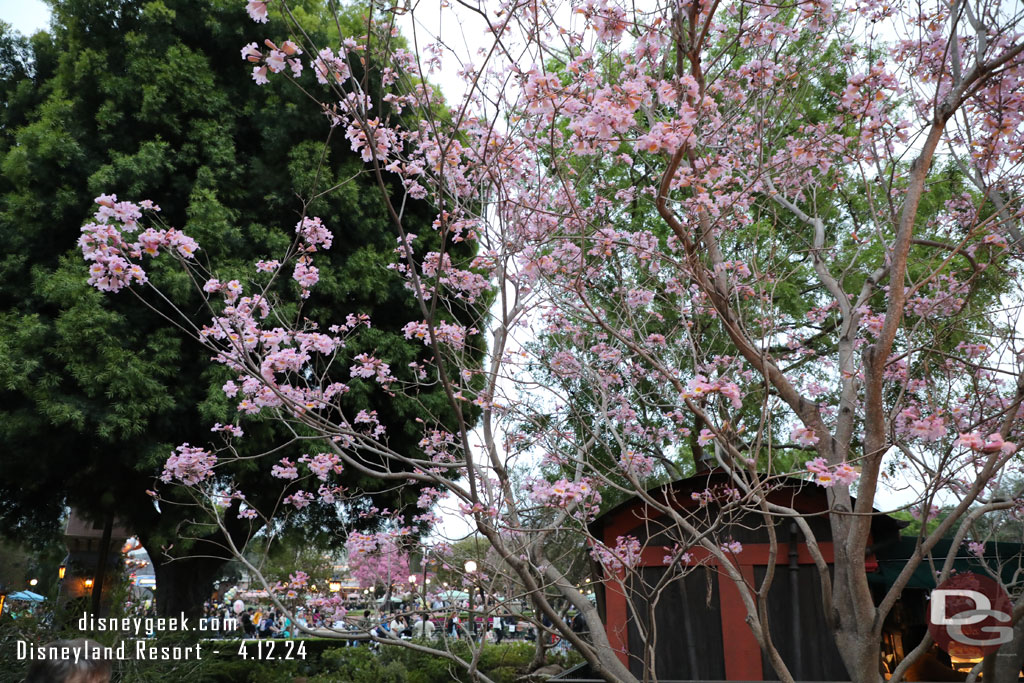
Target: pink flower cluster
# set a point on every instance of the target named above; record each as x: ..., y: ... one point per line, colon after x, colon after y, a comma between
x: 104, y: 243
x: 322, y: 464
x: 368, y: 366
x: 332, y: 607
x: 189, y: 465
x: 306, y: 274
x: 677, y: 556
x: 378, y: 558
x: 564, y: 493
x: 564, y: 364
x: 233, y: 430
x: 732, y: 547
x: 299, y: 499
x: 314, y: 234
x: 380, y: 144
x: 275, y: 61
x: 637, y: 464
x: 699, y: 387
x: 843, y: 474
x: 257, y: 10
x: 928, y: 428
x: 328, y: 66
x: 239, y: 335
x: 994, y: 442
x: 803, y: 436
x: 286, y: 469
x: 627, y: 553
x: 438, y: 444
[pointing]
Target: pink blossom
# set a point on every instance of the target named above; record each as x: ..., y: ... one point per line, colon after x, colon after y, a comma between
x: 734, y: 547
x: 230, y: 429
x: 257, y: 10
x: 299, y: 499
x: 322, y: 464
x: 930, y: 428
x: 817, y: 465
x: 637, y: 464
x: 804, y: 436
x: 251, y: 53
x: 732, y: 392
x: 368, y: 366
x: 845, y: 474
x: 189, y: 465
x: 285, y: 470
x: 825, y: 480
x: 995, y: 442
x: 313, y: 232
x: 276, y: 61
x: 327, y: 65
x: 377, y: 558
x: 306, y: 274
x: 564, y: 364
x: 972, y: 440
x: 626, y: 553
x: 698, y: 387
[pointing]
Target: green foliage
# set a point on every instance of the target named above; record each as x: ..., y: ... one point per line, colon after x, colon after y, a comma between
x: 503, y: 663
x: 150, y: 100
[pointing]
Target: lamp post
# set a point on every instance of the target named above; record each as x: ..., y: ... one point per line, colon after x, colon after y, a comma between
x: 470, y: 568
x: 61, y: 570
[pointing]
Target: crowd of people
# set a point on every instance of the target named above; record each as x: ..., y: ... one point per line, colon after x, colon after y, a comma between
x: 370, y: 622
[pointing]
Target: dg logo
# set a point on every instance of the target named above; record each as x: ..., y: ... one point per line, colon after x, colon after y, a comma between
x: 970, y: 615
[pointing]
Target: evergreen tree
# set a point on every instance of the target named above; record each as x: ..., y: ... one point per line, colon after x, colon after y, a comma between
x: 150, y: 100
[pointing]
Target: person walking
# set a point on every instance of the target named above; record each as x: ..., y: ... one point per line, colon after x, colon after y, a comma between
x: 248, y: 627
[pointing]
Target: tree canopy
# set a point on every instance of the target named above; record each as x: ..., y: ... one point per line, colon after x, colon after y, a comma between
x: 151, y: 99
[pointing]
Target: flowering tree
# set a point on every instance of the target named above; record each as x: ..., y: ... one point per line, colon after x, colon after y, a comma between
x: 374, y: 561
x: 780, y: 241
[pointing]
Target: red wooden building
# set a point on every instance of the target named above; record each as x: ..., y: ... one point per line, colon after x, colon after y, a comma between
x: 701, y: 631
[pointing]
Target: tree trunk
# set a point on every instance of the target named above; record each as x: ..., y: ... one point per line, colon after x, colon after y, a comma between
x: 102, y: 566
x: 1009, y: 658
x: 540, y: 652
x: 861, y: 655
x: 184, y: 584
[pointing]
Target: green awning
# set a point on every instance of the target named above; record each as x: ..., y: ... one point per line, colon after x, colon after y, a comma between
x: 893, y: 557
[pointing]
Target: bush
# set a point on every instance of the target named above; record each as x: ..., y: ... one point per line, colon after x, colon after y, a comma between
x: 502, y: 663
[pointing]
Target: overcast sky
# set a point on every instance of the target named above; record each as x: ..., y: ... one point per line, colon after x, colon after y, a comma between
x: 26, y: 16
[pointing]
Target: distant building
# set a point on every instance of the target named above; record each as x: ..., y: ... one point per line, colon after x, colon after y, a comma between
x: 84, y: 540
